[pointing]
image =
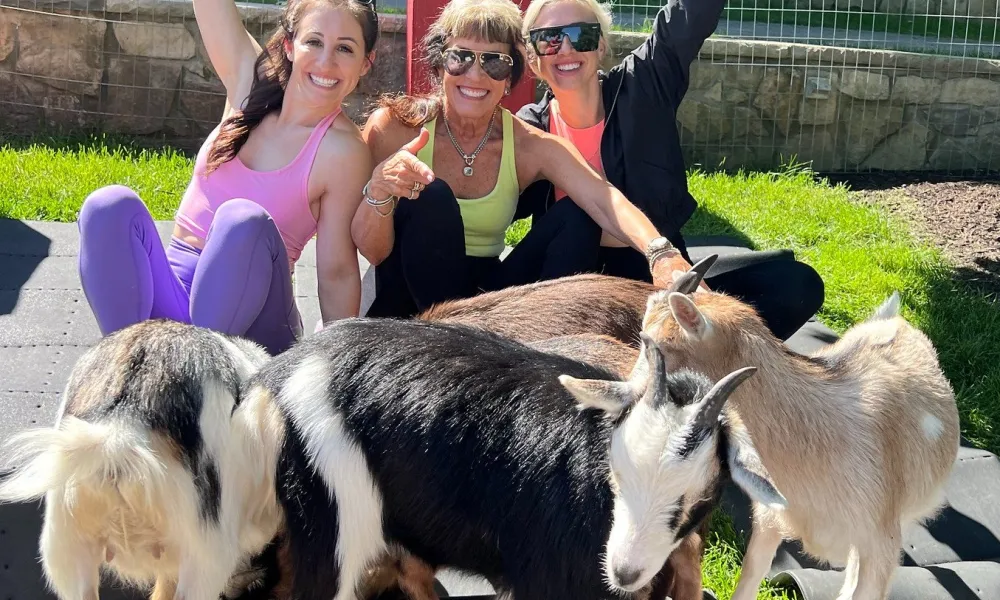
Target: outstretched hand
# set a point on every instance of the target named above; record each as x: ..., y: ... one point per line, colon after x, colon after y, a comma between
x: 402, y: 174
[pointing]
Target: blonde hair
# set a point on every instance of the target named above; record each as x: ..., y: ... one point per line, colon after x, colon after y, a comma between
x: 602, y: 12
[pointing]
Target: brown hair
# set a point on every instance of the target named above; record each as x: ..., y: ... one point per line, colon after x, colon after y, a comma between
x: 272, y: 70
x: 494, y: 21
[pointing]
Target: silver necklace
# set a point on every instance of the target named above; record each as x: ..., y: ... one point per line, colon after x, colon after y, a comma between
x: 470, y: 158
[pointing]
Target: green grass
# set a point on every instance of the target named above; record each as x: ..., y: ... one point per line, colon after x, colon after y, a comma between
x: 863, y: 253
x: 48, y: 179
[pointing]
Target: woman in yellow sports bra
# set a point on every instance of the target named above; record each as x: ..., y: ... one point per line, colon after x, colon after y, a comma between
x: 451, y: 167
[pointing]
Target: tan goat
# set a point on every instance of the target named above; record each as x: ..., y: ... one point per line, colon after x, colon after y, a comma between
x: 842, y: 449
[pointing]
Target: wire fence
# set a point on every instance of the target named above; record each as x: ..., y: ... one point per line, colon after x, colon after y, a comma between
x: 845, y: 85
x: 137, y: 67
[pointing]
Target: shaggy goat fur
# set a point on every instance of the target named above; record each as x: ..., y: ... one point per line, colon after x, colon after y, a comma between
x: 457, y: 444
x: 148, y: 471
x: 843, y: 449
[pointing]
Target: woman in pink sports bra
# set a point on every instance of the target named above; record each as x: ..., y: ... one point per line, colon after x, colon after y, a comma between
x: 254, y: 199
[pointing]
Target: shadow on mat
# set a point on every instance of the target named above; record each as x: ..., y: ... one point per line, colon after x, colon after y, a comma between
x: 965, y: 536
x: 950, y: 581
x: 22, y: 249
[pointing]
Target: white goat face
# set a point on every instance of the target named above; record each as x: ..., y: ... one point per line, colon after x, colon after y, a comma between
x: 664, y: 460
x: 663, y: 488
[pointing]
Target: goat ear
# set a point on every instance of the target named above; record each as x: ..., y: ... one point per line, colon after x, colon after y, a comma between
x: 749, y: 473
x: 687, y: 315
x: 708, y: 409
x: 610, y: 396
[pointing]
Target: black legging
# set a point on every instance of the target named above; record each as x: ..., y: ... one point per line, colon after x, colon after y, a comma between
x: 428, y: 263
x: 786, y: 293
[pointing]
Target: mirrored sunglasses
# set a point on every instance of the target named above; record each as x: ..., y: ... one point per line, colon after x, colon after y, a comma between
x: 458, y: 61
x: 547, y: 41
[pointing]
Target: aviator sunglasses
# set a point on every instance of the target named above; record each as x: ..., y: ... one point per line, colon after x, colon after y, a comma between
x: 458, y: 61
x: 547, y: 41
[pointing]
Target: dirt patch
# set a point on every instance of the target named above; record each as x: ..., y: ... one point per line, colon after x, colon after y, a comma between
x: 960, y: 216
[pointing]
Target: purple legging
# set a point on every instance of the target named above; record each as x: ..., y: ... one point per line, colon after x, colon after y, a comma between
x: 239, y: 284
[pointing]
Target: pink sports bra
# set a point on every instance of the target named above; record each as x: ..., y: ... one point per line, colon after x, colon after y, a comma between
x: 283, y: 193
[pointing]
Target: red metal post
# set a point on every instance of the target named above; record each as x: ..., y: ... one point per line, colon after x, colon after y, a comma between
x: 419, y: 16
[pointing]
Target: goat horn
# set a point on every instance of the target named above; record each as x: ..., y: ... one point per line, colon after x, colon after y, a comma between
x: 714, y: 400
x: 656, y: 372
x: 689, y: 282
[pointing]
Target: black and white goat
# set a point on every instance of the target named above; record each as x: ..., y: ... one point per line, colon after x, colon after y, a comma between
x: 153, y: 469
x: 455, y: 443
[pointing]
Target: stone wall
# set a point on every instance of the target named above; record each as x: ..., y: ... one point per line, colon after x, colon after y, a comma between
x: 756, y: 105
x: 139, y: 67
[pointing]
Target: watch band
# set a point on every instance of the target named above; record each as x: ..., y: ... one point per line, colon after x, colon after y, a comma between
x: 657, y: 248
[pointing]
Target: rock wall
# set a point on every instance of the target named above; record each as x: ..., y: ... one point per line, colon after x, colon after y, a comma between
x: 139, y: 67
x: 757, y: 105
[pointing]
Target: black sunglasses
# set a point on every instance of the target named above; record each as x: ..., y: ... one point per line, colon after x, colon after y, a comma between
x: 547, y: 41
x: 458, y: 61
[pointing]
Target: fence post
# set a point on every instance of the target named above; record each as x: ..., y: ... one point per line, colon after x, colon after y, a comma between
x: 419, y: 16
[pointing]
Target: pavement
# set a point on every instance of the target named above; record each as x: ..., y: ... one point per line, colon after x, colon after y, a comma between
x: 46, y: 324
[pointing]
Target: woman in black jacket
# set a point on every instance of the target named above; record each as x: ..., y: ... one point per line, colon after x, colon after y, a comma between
x: 624, y: 123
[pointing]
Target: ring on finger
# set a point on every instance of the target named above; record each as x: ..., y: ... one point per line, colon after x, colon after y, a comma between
x: 417, y: 186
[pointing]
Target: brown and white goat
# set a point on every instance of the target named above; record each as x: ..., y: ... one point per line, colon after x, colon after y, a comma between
x: 579, y: 304
x: 842, y: 449
x: 152, y: 469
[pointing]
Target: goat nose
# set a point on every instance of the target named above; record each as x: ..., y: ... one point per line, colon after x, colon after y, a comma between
x: 626, y: 576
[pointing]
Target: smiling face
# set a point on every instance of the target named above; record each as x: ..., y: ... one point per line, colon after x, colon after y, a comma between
x: 568, y: 69
x: 328, y: 55
x: 471, y: 92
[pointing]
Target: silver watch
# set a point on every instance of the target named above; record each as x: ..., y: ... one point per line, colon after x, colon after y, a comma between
x: 657, y: 247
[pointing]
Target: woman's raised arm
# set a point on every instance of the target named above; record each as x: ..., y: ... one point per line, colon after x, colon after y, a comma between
x: 231, y: 49
x: 662, y: 63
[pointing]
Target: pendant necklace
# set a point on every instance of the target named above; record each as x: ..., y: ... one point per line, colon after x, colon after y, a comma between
x: 470, y: 158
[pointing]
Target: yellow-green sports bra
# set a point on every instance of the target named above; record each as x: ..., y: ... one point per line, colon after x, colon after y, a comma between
x: 486, y: 219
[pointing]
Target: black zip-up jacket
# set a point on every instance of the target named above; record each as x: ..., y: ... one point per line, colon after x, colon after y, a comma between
x: 640, y: 148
